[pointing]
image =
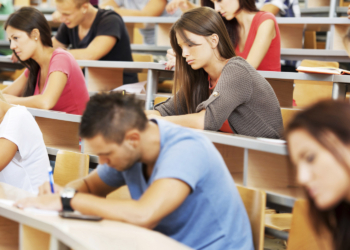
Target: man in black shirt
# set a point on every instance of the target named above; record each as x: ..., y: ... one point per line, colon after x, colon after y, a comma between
x: 94, y: 34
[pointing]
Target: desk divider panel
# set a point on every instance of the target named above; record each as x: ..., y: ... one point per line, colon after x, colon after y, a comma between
x: 338, y: 38
x: 291, y: 35
x: 163, y: 31
x: 130, y: 28
x: 134, y: 33
x: 283, y: 90
x: 318, y: 3
x: 33, y: 239
x: 233, y: 157
x: 272, y: 172
x: 9, y: 231
x: 103, y: 79
x: 60, y: 134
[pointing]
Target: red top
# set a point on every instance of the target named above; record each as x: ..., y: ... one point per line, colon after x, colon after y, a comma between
x: 75, y: 94
x: 271, y: 61
x: 225, y: 126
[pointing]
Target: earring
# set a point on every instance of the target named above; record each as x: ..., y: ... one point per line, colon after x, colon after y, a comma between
x: 36, y: 39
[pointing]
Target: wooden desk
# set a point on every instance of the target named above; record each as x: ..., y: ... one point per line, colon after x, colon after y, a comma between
x: 281, y: 82
x: 291, y: 29
x: 25, y: 230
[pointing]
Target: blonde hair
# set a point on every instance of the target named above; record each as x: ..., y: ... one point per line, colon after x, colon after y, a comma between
x: 78, y: 3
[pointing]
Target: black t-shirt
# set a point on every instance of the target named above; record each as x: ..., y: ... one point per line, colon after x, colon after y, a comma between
x: 106, y: 23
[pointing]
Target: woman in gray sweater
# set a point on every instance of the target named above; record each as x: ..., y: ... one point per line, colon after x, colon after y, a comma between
x: 215, y: 90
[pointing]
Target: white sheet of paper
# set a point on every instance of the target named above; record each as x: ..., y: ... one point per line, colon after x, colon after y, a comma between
x: 30, y: 209
x: 133, y: 88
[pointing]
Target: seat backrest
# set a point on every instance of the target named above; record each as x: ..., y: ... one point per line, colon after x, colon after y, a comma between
x: 159, y: 99
x: 254, y: 201
x: 70, y: 166
x: 288, y: 114
x: 302, y: 235
x: 313, y: 63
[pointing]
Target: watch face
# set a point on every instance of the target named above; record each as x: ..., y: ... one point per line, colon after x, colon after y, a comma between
x: 68, y: 192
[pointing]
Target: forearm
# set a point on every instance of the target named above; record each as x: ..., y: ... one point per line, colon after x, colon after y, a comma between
x: 37, y: 101
x: 11, y: 91
x: 82, y: 54
x: 129, y: 211
x: 152, y: 112
x: 190, y: 6
x: 79, y: 185
x: 190, y: 120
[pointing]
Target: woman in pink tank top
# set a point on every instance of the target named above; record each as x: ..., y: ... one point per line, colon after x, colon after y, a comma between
x: 255, y: 35
x: 53, y: 79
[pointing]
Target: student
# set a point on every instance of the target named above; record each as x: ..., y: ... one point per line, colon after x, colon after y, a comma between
x: 23, y: 156
x: 140, y: 8
x: 254, y: 34
x: 53, y: 79
x: 215, y: 90
x: 319, y: 147
x: 282, y: 8
x: 179, y: 183
x: 94, y: 34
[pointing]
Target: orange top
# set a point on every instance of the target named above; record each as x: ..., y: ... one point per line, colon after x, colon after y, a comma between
x: 225, y: 126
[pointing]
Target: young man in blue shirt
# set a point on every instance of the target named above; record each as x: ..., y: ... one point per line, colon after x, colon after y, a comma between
x: 178, y: 181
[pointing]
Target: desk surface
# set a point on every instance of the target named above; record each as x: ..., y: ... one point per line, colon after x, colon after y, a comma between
x: 77, y: 234
x: 280, y: 20
x: 161, y: 67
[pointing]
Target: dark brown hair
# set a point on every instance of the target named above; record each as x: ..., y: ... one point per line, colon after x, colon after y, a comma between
x: 192, y: 85
x: 232, y: 26
x: 319, y: 120
x: 27, y: 19
x: 112, y: 115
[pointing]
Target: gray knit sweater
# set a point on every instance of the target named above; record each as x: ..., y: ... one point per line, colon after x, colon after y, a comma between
x: 243, y: 97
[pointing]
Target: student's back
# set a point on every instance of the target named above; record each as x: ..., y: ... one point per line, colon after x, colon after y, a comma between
x: 214, y: 203
x: 28, y: 168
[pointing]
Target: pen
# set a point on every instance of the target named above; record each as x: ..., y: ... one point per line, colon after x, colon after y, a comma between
x: 51, y: 179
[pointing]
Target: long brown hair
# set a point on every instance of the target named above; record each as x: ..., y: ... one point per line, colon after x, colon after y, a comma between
x: 27, y: 19
x: 319, y: 120
x: 232, y: 26
x: 192, y: 85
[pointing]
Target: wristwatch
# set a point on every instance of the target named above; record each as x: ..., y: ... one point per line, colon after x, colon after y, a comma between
x: 66, y: 195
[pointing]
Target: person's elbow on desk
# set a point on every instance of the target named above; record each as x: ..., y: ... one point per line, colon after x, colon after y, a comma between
x: 195, y: 120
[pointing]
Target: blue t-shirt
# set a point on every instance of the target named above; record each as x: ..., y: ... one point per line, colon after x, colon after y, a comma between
x: 213, y: 215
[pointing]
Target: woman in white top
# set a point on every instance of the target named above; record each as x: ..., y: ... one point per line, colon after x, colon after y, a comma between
x: 23, y: 157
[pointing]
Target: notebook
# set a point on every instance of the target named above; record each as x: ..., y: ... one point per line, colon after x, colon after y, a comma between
x: 323, y: 70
